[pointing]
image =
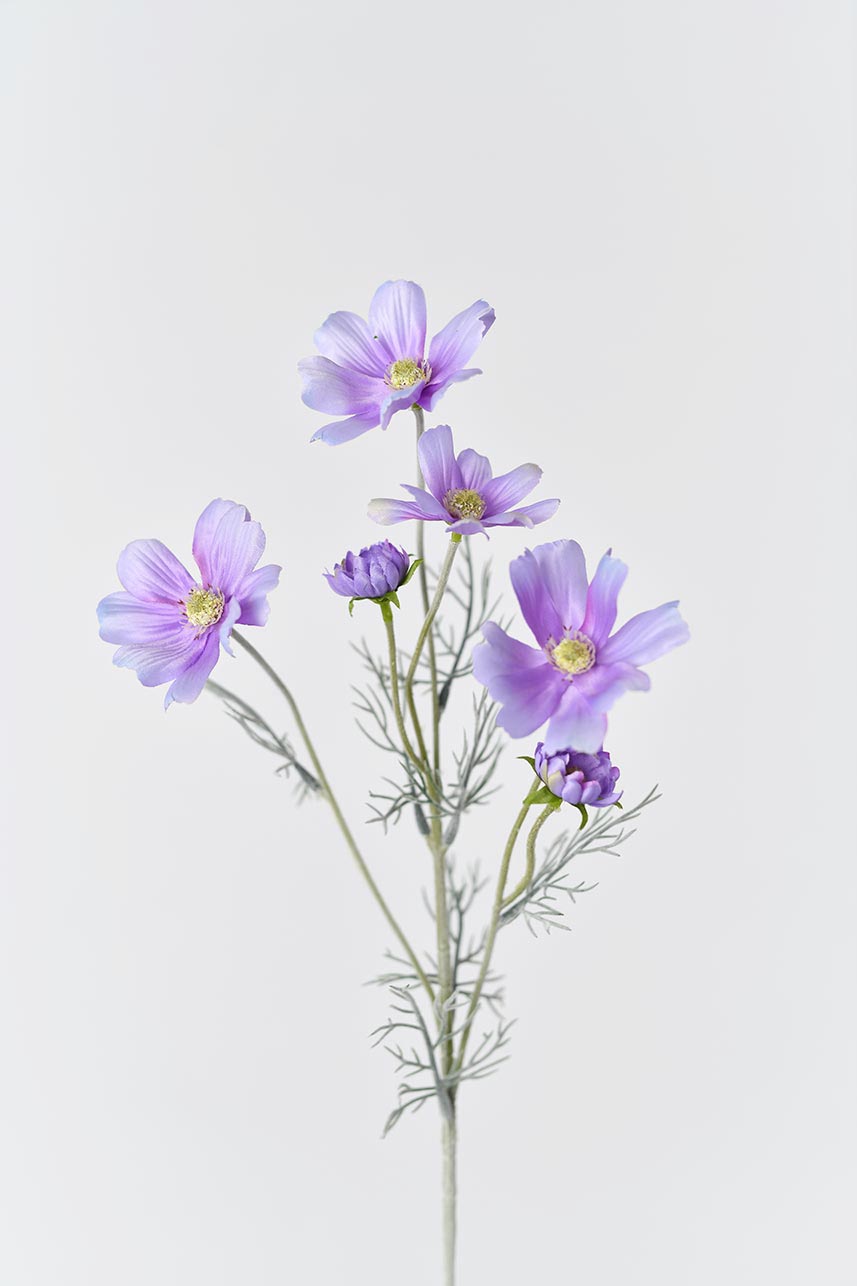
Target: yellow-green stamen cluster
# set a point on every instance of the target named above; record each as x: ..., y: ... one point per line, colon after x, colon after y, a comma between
x: 574, y: 655
x: 404, y: 373
x: 464, y: 503
x: 203, y: 607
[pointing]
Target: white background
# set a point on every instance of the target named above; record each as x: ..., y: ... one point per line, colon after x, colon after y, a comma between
x: 658, y: 199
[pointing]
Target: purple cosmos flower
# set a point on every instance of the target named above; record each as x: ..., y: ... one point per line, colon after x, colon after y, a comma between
x: 377, y: 570
x: 368, y: 372
x: 170, y: 624
x: 579, y: 667
x: 462, y: 492
x: 578, y: 778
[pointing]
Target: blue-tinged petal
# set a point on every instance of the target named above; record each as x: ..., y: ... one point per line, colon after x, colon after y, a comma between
x: 576, y: 724
x: 399, y: 399
x: 206, y: 526
x: 431, y: 508
x: 159, y: 662
x: 397, y: 318
x: 542, y: 580
x: 338, y: 390
x: 188, y: 685
x: 602, y: 598
x: 347, y: 340
x: 646, y: 636
x: 517, y: 676
x: 253, y: 594
x: 526, y: 516
x: 386, y: 512
x: 572, y: 790
x: 501, y: 493
x: 229, y: 553
x: 437, y: 461
x: 563, y: 572
x: 150, y: 572
x: 475, y: 470
x: 452, y: 348
x: 604, y: 683
x: 124, y: 619
x: 223, y: 629
x: 435, y: 389
x: 339, y: 431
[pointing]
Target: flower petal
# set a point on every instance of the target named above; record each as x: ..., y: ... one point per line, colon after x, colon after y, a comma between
x: 157, y: 663
x: 122, y: 618
x: 435, y: 389
x: 347, y: 340
x: 437, y: 461
x: 386, y: 512
x: 646, y: 636
x: 339, y: 431
x: 399, y: 399
x: 431, y: 507
x: 519, y: 677
x: 397, y: 318
x: 253, y: 594
x: 203, y: 534
x: 452, y: 348
x: 604, y: 683
x: 338, y: 390
x: 231, y: 613
x: 550, y: 583
x: 576, y: 724
x: 506, y: 490
x: 150, y: 572
x: 229, y: 553
x: 188, y: 685
x: 475, y: 470
x: 602, y: 598
x: 526, y: 516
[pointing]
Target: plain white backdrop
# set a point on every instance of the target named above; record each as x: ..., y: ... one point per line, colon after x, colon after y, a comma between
x: 658, y: 200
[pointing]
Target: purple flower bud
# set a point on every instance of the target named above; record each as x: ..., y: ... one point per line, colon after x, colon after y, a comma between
x: 377, y: 570
x: 578, y: 778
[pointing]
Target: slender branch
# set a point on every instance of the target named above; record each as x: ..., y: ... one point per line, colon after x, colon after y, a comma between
x: 418, y: 760
x: 337, y: 811
x: 419, y: 416
x: 426, y: 631
x: 531, y: 855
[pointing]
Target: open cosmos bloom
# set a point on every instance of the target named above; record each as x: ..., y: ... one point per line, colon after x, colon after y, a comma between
x: 170, y: 624
x: 377, y: 570
x: 367, y: 372
x: 462, y: 492
x: 580, y: 666
x: 578, y: 778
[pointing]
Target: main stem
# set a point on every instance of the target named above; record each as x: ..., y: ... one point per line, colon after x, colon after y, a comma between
x: 337, y: 811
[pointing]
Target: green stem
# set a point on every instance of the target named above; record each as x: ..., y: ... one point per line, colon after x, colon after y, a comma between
x: 426, y: 631
x: 337, y: 811
x: 419, y: 416
x: 418, y: 760
x: 531, y: 854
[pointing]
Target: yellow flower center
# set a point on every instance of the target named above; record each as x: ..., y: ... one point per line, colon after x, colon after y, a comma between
x: 574, y: 655
x: 203, y: 607
x: 464, y: 503
x: 404, y: 373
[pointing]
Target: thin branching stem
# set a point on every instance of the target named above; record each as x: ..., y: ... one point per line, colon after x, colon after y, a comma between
x: 418, y: 760
x: 531, y: 855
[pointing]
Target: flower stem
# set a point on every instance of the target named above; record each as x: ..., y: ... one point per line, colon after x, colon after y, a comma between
x: 419, y: 416
x: 337, y: 812
x: 426, y: 631
x: 449, y: 1140
x: 417, y: 759
x: 531, y: 853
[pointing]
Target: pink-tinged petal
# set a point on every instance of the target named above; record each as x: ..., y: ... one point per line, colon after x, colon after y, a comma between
x: 435, y: 390
x: 253, y: 594
x: 602, y: 598
x: 338, y: 390
x: 437, y: 461
x: 339, y: 431
x: 157, y: 663
x: 452, y: 348
x: 576, y: 724
x: 604, y: 683
x: 122, y: 618
x: 399, y: 399
x: 572, y: 791
x: 347, y: 340
x: 150, y: 572
x: 231, y: 613
x: 646, y: 636
x: 386, y: 512
x: 189, y: 684
x: 235, y: 547
x: 397, y: 318
x: 203, y: 535
x: 502, y: 493
x: 590, y: 792
x: 475, y: 470
x: 431, y: 507
x: 502, y: 654
x: 526, y: 516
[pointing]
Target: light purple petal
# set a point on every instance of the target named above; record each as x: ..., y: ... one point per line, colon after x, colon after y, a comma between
x: 501, y: 654
x: 231, y: 552
x: 339, y: 431
x: 399, y: 399
x: 576, y: 724
x: 572, y: 790
x: 338, y: 390
x: 437, y: 461
x: 502, y: 493
x: 190, y: 683
x: 150, y: 572
x: 646, y: 636
x: 347, y: 340
x: 231, y: 613
x: 519, y: 677
x: 397, y: 317
x: 122, y: 618
x: 159, y: 662
x: 475, y: 470
x: 469, y: 527
x: 253, y: 594
x: 435, y: 390
x: 431, y: 507
x: 386, y: 512
x: 602, y: 598
x: 206, y: 526
x: 550, y: 583
x: 452, y: 348
x: 604, y: 683
x: 526, y: 516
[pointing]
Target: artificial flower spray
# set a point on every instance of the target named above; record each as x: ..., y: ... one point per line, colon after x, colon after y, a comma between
x: 170, y: 626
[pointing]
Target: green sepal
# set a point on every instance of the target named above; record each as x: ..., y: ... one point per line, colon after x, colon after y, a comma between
x: 617, y: 804
x: 413, y: 567
x: 528, y: 759
x: 584, y: 816
x: 390, y: 597
x: 542, y: 795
